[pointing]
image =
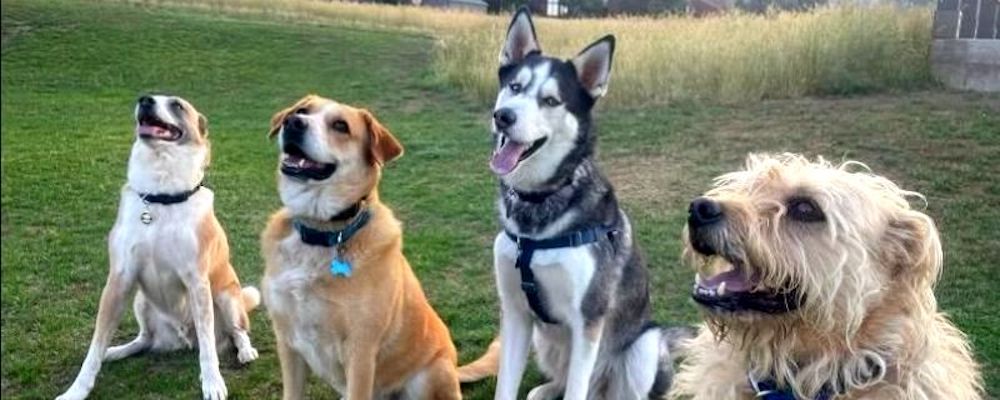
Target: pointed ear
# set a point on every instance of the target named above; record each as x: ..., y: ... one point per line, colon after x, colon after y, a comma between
x: 521, y: 39
x: 383, y: 145
x: 912, y: 248
x: 593, y: 66
x: 203, y: 125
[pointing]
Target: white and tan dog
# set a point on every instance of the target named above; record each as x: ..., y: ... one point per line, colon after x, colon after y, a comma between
x: 167, y: 241
x: 817, y: 283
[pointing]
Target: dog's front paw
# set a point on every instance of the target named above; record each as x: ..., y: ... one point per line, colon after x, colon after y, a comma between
x: 75, y: 392
x: 213, y: 387
x: 246, y: 354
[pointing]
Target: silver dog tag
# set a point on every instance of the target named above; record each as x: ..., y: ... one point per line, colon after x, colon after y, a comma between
x: 146, y: 217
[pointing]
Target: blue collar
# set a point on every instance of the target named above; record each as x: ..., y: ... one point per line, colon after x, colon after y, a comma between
x: 334, y: 238
x: 767, y: 389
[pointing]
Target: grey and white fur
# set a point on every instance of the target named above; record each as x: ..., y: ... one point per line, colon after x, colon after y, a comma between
x: 604, y: 345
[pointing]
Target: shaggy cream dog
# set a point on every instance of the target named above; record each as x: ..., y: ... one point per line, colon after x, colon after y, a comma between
x: 816, y: 282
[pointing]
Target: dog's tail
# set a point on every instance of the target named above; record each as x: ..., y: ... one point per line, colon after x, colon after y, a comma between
x: 486, y: 365
x: 673, y: 336
x: 671, y: 348
x: 251, y: 298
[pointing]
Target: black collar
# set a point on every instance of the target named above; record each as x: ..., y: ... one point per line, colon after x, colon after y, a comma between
x: 333, y: 238
x: 531, y: 197
x: 536, y: 197
x: 169, y: 198
x: 349, y: 212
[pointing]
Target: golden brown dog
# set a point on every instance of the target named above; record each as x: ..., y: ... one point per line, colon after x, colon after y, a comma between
x: 342, y: 297
x: 817, y: 282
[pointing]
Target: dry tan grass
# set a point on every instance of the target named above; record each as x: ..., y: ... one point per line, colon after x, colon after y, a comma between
x: 729, y: 58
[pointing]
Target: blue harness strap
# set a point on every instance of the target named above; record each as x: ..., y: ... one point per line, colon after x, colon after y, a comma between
x: 526, y: 249
x: 768, y: 390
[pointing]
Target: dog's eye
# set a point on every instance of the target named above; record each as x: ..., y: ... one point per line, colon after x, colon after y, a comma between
x: 302, y: 110
x: 177, y: 105
x: 551, y: 101
x: 339, y: 126
x: 805, y: 210
x: 516, y: 87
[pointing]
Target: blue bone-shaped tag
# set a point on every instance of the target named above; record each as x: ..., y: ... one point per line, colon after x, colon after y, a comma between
x: 340, y: 267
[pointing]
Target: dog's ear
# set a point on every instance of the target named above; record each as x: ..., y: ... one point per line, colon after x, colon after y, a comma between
x: 278, y: 119
x: 383, y: 145
x: 593, y: 66
x: 521, y: 39
x: 912, y: 248
x: 203, y: 125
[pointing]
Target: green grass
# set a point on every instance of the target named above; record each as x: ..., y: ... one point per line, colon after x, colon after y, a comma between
x: 71, y: 71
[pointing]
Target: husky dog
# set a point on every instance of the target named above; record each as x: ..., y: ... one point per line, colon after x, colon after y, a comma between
x: 569, y: 276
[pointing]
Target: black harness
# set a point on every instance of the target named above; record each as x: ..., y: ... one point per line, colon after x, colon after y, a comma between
x: 526, y: 248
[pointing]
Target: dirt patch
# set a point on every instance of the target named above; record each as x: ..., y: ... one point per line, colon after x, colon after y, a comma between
x: 415, y: 105
x: 657, y: 182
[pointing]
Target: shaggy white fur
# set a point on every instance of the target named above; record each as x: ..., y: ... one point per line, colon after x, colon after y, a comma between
x: 868, y: 322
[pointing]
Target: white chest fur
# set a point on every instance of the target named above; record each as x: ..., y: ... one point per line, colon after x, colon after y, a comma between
x: 294, y: 294
x: 564, y: 275
x: 160, y: 252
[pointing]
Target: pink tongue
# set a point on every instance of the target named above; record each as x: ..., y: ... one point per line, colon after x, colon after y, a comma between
x: 735, y: 280
x: 150, y: 130
x: 505, y: 159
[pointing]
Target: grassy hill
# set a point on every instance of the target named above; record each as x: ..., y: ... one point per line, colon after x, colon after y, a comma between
x: 71, y: 71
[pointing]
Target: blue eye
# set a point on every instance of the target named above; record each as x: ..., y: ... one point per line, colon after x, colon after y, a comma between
x: 551, y: 101
x: 516, y: 87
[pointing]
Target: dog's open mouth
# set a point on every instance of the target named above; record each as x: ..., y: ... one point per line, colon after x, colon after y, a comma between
x: 152, y: 127
x: 736, y: 289
x: 295, y: 163
x: 510, y: 153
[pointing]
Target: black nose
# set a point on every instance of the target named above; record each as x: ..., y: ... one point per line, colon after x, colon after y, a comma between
x: 294, y: 124
x: 704, y: 211
x: 146, y: 101
x: 504, y: 118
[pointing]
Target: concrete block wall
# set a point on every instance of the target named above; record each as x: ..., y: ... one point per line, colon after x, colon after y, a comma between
x: 965, y: 53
